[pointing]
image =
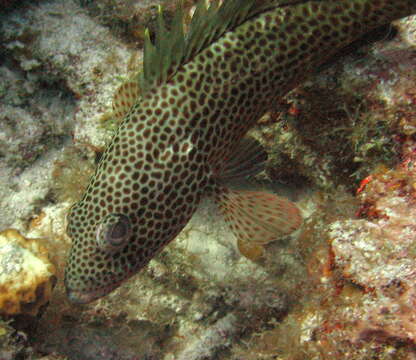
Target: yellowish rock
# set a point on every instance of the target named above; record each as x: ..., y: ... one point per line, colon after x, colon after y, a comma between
x: 26, y: 274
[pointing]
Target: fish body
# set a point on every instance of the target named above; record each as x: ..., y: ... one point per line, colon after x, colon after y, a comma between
x: 177, y: 138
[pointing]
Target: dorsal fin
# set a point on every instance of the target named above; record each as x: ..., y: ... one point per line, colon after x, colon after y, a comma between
x: 124, y: 98
x: 173, y: 48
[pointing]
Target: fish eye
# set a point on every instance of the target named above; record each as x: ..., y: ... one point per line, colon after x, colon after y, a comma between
x: 113, y: 231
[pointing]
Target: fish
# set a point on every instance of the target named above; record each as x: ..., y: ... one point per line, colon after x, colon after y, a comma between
x: 184, y: 123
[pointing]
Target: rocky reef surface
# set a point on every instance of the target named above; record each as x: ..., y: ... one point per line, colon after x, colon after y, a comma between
x: 343, y: 145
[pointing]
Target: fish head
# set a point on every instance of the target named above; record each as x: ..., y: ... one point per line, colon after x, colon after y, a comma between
x: 102, y: 256
x: 128, y: 213
x: 113, y: 247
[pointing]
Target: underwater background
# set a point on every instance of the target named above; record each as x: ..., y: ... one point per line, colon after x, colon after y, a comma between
x: 342, y: 146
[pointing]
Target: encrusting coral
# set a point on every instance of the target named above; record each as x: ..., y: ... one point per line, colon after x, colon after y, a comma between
x: 379, y: 253
x: 26, y: 274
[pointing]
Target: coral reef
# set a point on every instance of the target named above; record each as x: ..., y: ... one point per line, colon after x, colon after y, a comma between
x: 34, y: 127
x: 378, y: 254
x: 342, y: 288
x: 363, y: 273
x: 26, y: 274
x: 54, y: 89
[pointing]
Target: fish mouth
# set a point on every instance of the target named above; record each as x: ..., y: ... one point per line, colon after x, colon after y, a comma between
x: 85, y: 297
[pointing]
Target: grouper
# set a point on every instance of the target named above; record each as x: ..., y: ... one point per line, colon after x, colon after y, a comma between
x: 183, y: 130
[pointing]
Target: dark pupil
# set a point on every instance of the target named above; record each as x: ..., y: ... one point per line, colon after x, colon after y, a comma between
x: 118, y: 230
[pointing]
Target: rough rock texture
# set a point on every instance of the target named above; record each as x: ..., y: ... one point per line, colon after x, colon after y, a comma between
x: 59, y: 72
x: 379, y: 254
x: 35, y: 123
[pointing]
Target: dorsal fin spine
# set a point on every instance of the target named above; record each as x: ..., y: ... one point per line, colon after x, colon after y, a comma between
x: 173, y: 48
x: 147, y: 58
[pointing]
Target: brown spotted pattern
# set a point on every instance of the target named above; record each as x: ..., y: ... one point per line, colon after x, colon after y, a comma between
x: 270, y: 220
x: 167, y: 149
x: 124, y: 99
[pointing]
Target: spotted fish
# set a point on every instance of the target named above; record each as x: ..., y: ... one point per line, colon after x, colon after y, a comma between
x: 185, y: 118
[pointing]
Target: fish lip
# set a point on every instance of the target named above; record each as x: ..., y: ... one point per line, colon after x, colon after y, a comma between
x: 85, y: 297
x: 80, y: 298
x: 77, y: 297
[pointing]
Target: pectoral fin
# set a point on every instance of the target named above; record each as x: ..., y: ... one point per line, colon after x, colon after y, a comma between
x: 247, y: 159
x: 257, y: 218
